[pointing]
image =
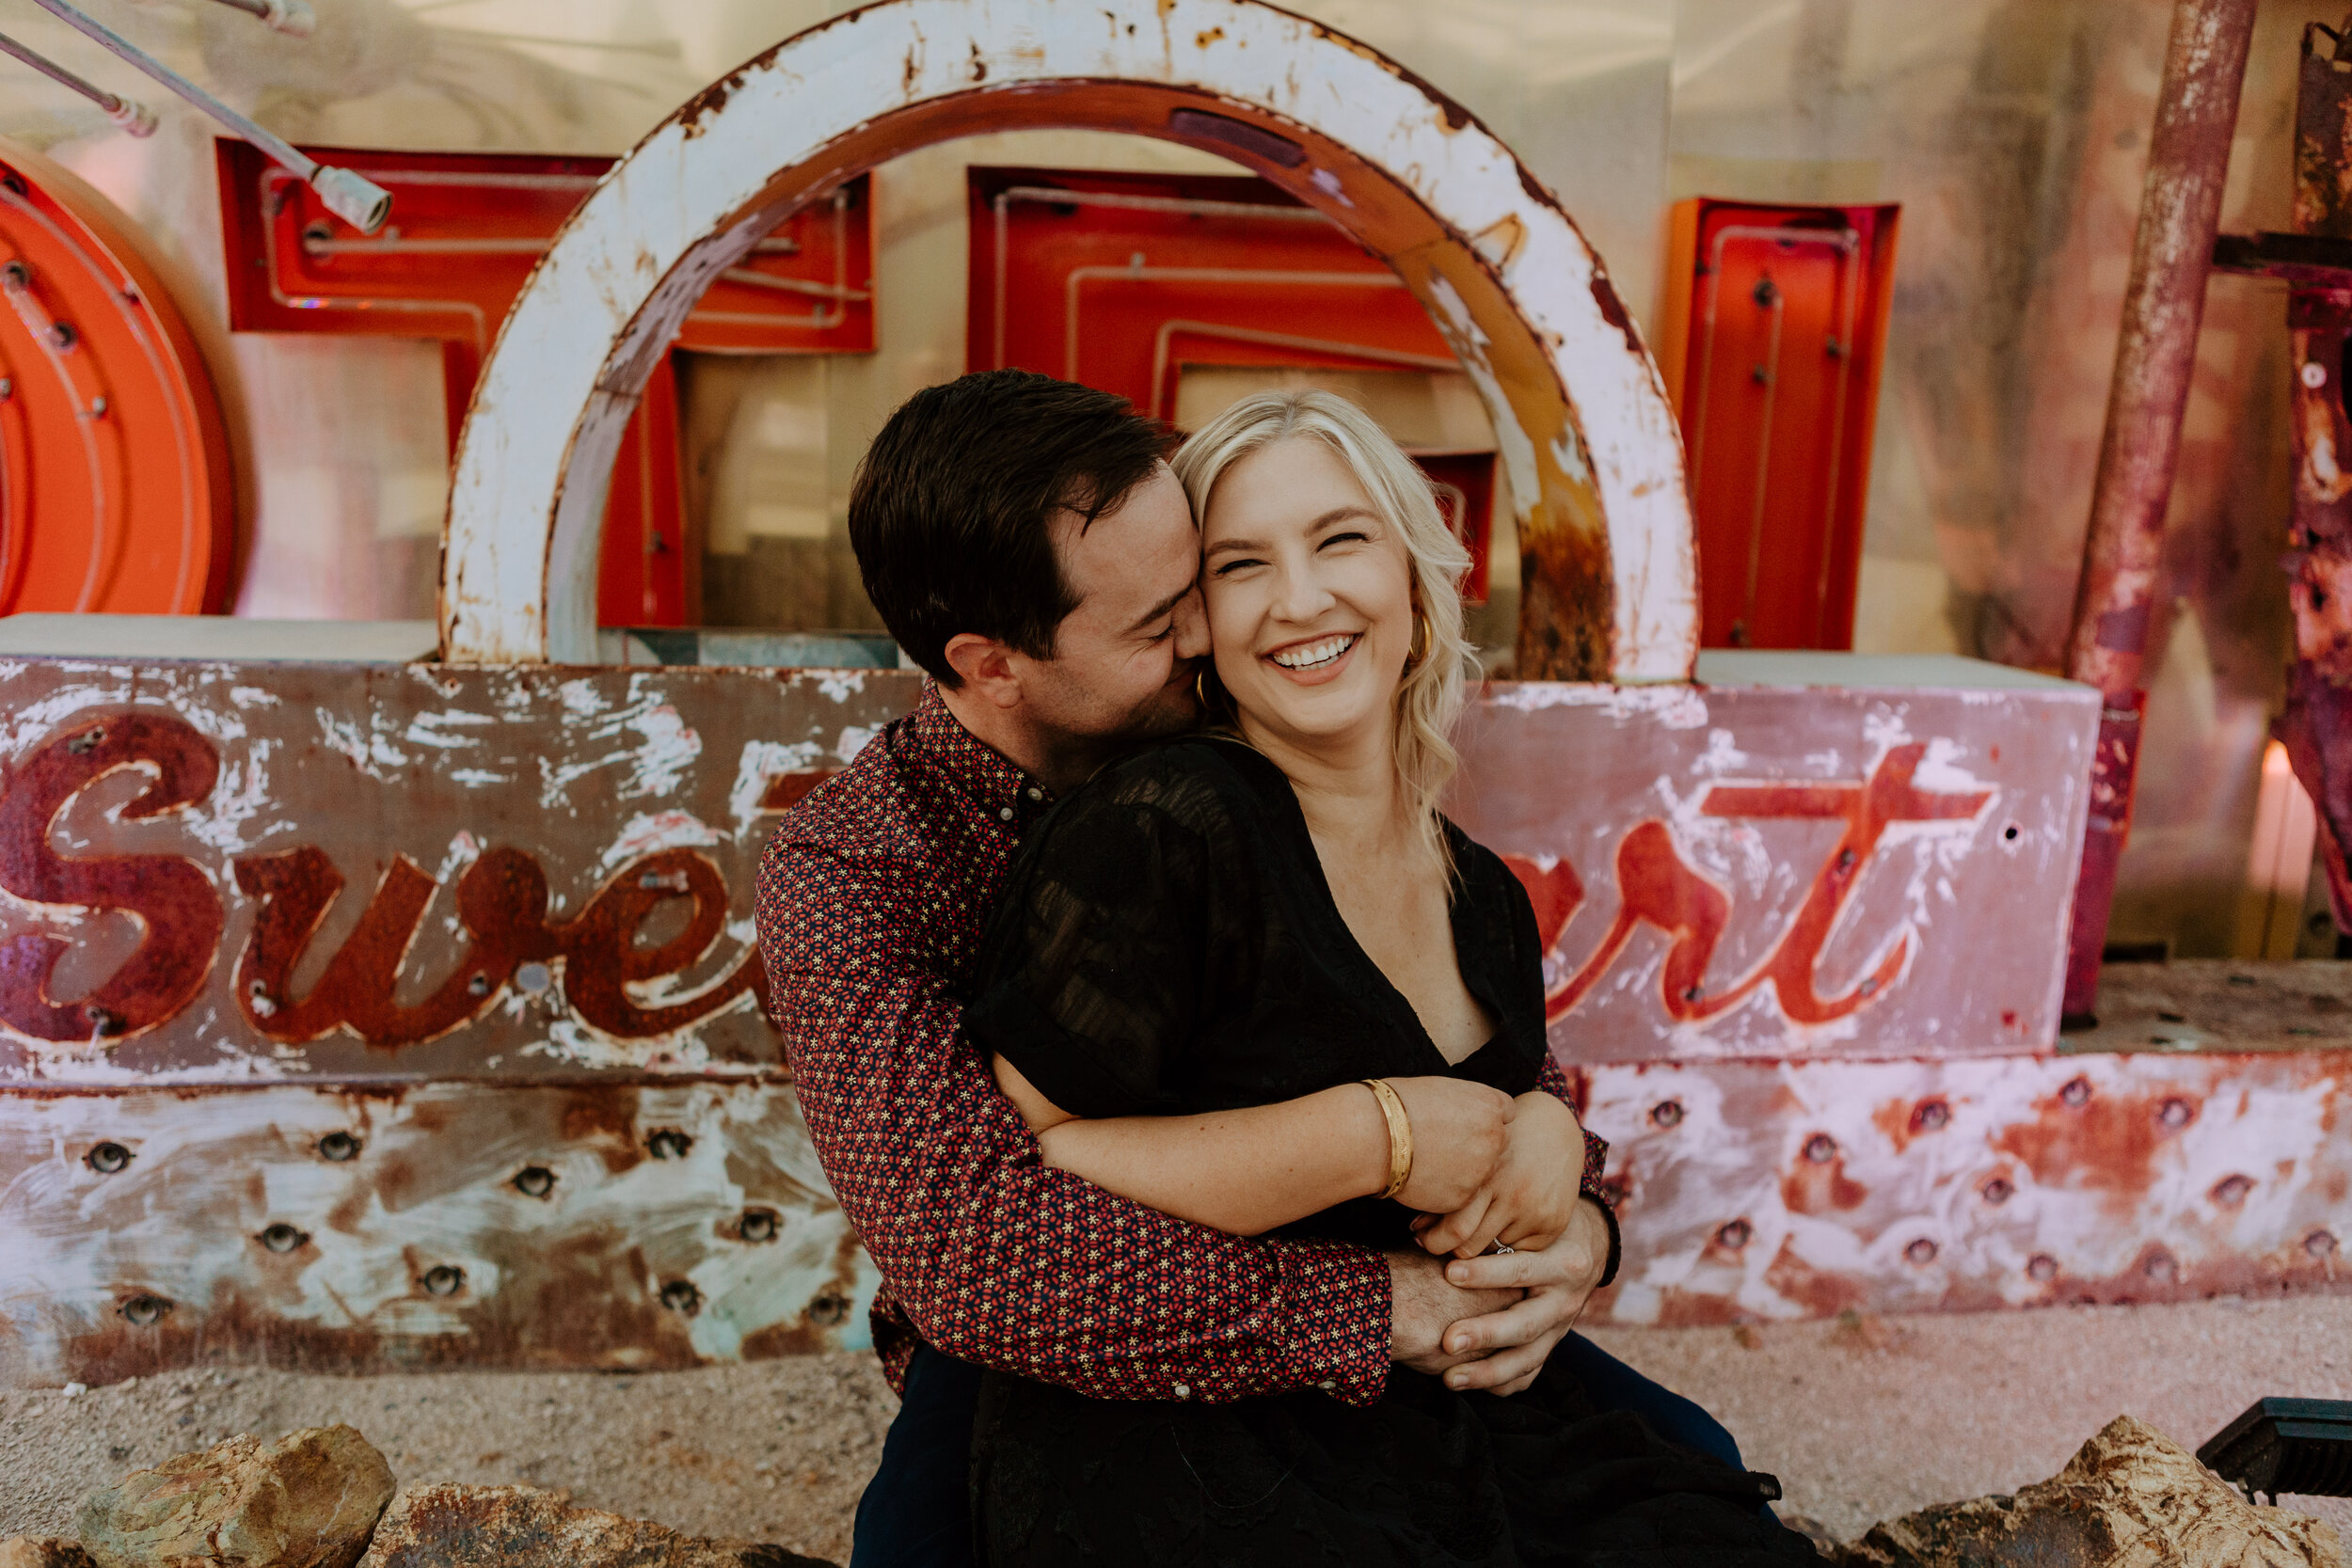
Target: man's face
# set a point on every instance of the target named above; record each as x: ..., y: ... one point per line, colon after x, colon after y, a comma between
x: 1124, y: 661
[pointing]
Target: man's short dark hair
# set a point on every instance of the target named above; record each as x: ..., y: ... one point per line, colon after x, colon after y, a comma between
x: 951, y: 509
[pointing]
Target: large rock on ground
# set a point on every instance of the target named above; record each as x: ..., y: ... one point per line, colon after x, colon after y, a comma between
x: 42, y: 1551
x: 2130, y: 1498
x: 521, y: 1526
x: 308, y: 1500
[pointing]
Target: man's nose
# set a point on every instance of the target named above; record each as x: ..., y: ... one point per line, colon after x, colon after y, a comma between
x: 1192, y: 627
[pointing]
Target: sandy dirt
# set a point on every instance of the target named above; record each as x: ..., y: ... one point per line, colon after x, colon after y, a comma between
x: 1871, y: 1420
x: 1860, y: 1421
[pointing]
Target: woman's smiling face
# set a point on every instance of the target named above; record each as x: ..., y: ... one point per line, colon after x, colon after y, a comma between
x: 1309, y: 593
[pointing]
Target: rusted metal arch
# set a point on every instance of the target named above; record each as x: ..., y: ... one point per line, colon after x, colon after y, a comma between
x: 1590, y: 441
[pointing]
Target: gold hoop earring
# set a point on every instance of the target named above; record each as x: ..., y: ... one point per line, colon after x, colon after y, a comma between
x: 1419, y: 654
x: 1200, y: 687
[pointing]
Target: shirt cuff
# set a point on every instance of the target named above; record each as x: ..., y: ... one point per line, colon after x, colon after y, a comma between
x: 1337, y: 1311
x: 1594, y: 1187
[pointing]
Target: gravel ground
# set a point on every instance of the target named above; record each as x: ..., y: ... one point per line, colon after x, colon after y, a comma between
x: 1861, y: 1421
x: 774, y: 1452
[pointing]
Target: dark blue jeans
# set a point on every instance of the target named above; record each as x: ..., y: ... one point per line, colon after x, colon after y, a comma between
x: 917, y: 1512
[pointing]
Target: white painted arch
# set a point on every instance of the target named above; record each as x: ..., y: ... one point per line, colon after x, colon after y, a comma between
x: 1590, y: 441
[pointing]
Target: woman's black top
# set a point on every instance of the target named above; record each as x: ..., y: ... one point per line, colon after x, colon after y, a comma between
x: 1167, y: 943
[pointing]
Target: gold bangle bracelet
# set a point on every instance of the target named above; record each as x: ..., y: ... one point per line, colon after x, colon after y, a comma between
x: 1400, y: 1135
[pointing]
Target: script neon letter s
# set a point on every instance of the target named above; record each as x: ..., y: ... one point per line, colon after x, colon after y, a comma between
x: 175, y: 904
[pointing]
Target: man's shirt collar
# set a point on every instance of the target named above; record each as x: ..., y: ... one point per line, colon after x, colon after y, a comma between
x: 982, y: 773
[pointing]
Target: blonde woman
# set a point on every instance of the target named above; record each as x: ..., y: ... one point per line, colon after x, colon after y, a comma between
x: 1272, y: 910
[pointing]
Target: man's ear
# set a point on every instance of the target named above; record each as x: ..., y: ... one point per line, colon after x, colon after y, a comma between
x: 986, y: 668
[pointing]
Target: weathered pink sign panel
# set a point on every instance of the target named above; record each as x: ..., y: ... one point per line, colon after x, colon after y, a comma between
x: 221, y: 872
x: 1791, y: 870
x: 267, y: 872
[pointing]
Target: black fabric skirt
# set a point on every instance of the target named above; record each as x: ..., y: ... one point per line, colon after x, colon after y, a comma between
x: 1426, y: 1477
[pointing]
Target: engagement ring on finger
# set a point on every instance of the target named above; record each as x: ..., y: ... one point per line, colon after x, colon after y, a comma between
x: 1499, y: 1251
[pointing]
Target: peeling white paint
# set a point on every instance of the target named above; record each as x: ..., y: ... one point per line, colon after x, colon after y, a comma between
x: 444, y: 731
x: 1676, y: 708
x: 761, y: 762
x: 370, y: 752
x: 647, y: 832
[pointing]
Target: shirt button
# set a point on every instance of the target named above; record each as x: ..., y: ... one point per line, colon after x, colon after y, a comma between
x: 1329, y: 1388
x: 1036, y: 794
x: 1006, y: 813
x: 1184, y: 1390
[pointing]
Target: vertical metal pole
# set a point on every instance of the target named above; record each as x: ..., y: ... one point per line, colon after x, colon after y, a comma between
x: 2180, y: 206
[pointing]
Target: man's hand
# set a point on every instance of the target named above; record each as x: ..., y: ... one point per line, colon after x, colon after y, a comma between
x: 1503, y: 1350
x: 1530, y: 1200
x: 1424, y: 1304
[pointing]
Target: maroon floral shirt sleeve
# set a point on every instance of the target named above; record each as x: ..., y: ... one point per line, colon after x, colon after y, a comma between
x: 1553, y: 1081
x: 986, y: 1252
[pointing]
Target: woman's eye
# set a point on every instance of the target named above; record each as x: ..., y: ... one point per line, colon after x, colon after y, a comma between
x: 1352, y: 537
x: 1226, y: 567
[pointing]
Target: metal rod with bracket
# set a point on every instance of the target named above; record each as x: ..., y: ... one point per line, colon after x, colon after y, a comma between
x: 357, y: 200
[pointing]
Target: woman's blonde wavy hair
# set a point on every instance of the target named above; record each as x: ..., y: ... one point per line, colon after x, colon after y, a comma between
x: 1436, y: 684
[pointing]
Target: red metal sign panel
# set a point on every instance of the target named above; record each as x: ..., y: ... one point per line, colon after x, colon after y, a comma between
x: 116, y: 488
x: 1775, y: 324
x: 467, y: 229
x: 1121, y: 281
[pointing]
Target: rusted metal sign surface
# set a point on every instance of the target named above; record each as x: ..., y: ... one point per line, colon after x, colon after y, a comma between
x: 1788, y: 1189
x: 655, y: 1226
x: 488, y: 1226
x: 229, y: 873
x: 377, y: 972
x: 225, y: 873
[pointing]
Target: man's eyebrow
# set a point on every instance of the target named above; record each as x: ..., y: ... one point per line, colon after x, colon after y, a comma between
x: 1161, y: 609
x: 1337, y: 514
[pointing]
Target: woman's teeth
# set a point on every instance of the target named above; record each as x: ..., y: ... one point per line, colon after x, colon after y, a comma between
x: 1314, y: 655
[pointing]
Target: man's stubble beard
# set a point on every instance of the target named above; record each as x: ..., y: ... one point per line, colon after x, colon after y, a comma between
x: 1171, y: 711
x: 1071, y: 755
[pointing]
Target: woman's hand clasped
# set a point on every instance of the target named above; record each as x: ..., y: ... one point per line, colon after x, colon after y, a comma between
x: 1461, y: 1132
x: 1529, y: 1197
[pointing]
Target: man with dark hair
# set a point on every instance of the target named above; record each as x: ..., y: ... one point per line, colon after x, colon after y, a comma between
x: 1023, y: 540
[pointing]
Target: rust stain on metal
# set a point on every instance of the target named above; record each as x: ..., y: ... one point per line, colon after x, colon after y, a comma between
x: 2189, y: 156
x: 1613, y: 311
x: 711, y: 99
x: 1794, y: 1188
x: 418, y: 1252
x: 2091, y: 1140
x: 2316, y: 724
